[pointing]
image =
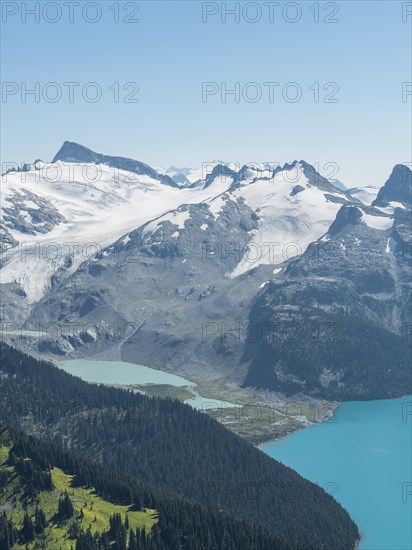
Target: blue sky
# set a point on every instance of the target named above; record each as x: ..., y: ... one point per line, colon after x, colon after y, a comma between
x: 170, y: 52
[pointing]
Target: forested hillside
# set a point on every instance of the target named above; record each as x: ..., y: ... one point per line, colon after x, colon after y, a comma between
x: 170, y: 446
x: 51, y: 499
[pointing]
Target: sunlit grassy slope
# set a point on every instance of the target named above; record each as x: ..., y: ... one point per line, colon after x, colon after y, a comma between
x: 96, y: 510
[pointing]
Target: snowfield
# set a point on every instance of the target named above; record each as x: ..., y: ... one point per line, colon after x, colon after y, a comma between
x: 99, y: 204
x: 63, y: 213
x: 377, y: 222
x: 287, y: 224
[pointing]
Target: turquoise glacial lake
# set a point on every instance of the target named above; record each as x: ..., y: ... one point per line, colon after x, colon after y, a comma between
x: 121, y: 372
x: 363, y: 457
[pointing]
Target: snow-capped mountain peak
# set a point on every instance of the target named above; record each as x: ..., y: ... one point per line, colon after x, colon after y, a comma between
x: 74, y: 153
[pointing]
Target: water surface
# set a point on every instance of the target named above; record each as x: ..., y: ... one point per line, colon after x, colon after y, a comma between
x: 363, y: 456
x: 121, y: 372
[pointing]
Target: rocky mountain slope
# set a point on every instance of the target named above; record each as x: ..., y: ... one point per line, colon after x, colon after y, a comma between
x: 338, y: 317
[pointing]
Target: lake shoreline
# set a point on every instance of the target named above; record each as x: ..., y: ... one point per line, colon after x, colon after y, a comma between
x: 257, y: 416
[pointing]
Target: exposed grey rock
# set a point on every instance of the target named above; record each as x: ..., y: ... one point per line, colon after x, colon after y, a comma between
x: 30, y: 220
x: 297, y: 189
x: 398, y: 188
x: 7, y: 241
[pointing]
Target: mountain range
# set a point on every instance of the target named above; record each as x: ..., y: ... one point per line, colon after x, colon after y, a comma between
x: 271, y: 278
